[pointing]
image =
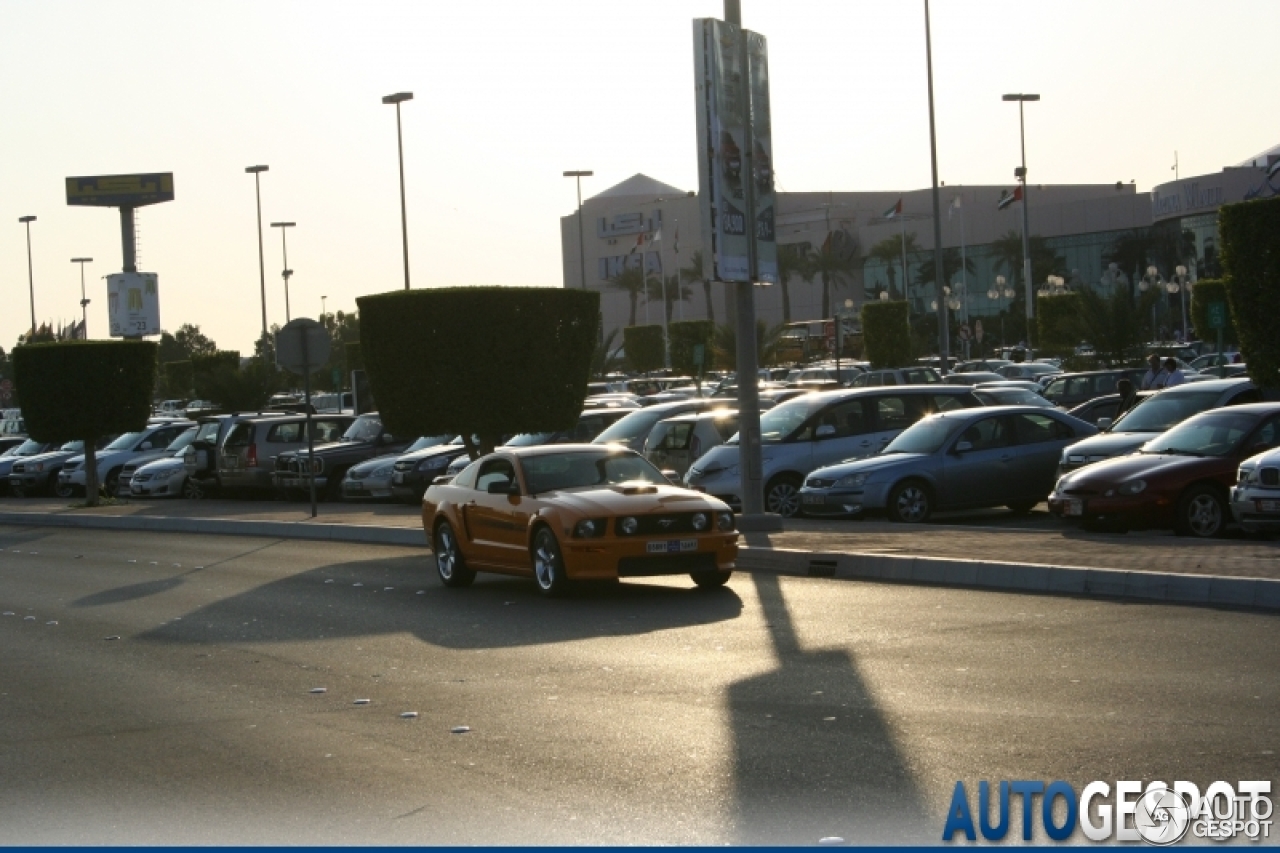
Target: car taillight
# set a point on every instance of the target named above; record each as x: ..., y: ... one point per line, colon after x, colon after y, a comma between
x: 252, y: 460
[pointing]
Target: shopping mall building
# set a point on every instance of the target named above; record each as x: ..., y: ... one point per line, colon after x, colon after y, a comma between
x: 1099, y: 235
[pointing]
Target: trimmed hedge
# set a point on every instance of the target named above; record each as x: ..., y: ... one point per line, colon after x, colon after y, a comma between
x: 685, y: 335
x: 886, y: 333
x: 1205, y: 291
x: 1058, y: 324
x: 1250, y: 238
x: 179, y: 378
x: 85, y: 390
x: 643, y: 346
x: 482, y: 360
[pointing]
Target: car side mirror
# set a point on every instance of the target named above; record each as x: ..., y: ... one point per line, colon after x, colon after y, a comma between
x: 963, y: 447
x: 1104, y: 423
x: 146, y: 445
x: 387, y: 438
x: 825, y: 431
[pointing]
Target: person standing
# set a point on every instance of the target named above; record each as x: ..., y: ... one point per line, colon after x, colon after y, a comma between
x: 1172, y: 375
x: 1128, y: 396
x: 1153, y: 378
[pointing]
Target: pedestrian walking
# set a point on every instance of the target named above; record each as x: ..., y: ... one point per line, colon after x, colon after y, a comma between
x: 1153, y: 378
x: 1172, y: 375
x: 1128, y: 396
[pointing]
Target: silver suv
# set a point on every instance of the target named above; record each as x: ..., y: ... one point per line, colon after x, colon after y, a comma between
x: 901, y: 376
x: 247, y: 456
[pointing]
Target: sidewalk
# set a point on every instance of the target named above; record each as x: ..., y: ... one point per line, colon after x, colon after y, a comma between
x: 984, y: 550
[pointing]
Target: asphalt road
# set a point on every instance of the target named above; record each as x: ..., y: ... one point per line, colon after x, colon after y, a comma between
x: 776, y: 710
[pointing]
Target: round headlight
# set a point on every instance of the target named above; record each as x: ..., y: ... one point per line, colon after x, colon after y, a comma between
x: 699, y: 521
x: 724, y: 521
x: 585, y: 528
x: 628, y: 525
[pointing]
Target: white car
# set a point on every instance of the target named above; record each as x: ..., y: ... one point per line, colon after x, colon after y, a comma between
x: 177, y: 448
x: 167, y: 477
x: 1255, y: 500
x: 133, y: 447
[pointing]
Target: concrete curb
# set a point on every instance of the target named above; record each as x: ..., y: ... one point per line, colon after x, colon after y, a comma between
x: 310, y: 530
x: 1169, y: 587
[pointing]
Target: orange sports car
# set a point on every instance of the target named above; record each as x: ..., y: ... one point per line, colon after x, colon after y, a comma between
x: 566, y: 512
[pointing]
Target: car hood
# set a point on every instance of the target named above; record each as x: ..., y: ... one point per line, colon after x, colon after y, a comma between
x: 868, y: 465
x: 53, y: 456
x: 1111, y: 443
x: 373, y: 464
x: 616, y: 500
x: 1149, y: 466
x: 720, y: 456
x: 329, y: 448
x: 168, y: 463
x: 435, y: 450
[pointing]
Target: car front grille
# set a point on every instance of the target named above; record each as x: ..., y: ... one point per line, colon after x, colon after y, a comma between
x: 18, y: 468
x: 139, y: 478
x: 664, y: 524
x: 1080, y: 493
x: 404, y: 466
x: 1270, y: 476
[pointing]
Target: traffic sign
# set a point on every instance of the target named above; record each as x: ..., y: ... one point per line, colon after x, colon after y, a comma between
x: 1217, y: 314
x: 302, y: 346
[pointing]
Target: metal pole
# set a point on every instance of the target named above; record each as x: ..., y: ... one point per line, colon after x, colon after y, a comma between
x: 944, y: 332
x: 262, y: 267
x: 128, y: 240
x: 903, y: 222
x: 31, y: 281
x: 404, y: 216
x: 582, y: 247
x: 1026, y: 226
x: 666, y: 340
x: 284, y: 245
x: 306, y: 387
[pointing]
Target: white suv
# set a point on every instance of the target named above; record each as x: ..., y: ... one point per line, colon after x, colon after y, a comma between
x: 132, y: 447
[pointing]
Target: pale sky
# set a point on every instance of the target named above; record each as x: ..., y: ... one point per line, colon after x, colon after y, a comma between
x: 508, y: 95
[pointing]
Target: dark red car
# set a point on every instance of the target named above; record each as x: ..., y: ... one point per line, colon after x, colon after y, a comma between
x: 1180, y: 479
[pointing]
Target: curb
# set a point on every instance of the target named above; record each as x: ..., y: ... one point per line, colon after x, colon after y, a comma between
x: 315, y: 531
x: 1168, y: 587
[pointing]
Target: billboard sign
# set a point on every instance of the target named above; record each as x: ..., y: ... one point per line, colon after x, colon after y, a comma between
x: 120, y: 190
x: 730, y: 154
x: 133, y: 304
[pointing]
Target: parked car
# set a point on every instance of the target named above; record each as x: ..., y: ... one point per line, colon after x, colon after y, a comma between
x: 973, y: 377
x: 1156, y: 413
x: 29, y: 448
x: 247, y: 454
x: 171, y: 408
x: 1106, y: 407
x: 675, y: 443
x: 561, y: 513
x: 821, y: 429
x: 167, y: 476
x: 1025, y: 384
x: 38, y: 475
x: 1180, y: 479
x: 1071, y: 389
x: 1255, y: 500
x: 9, y: 442
x: 414, y: 470
x: 633, y: 429
x: 1215, y: 359
x: 141, y: 446
x: 590, y: 424
x: 984, y: 365
x: 1031, y: 370
x: 365, y: 438
x: 370, y: 480
x: 1226, y: 371
x: 903, y: 376
x: 966, y: 459
x: 999, y: 395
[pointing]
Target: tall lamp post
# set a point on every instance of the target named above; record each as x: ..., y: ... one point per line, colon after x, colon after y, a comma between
x: 84, y: 303
x: 1001, y: 289
x: 397, y: 99
x: 1181, y: 286
x: 286, y: 273
x: 262, y: 269
x: 31, y: 283
x: 1021, y: 174
x: 582, y: 251
x: 1150, y: 280
x: 323, y: 313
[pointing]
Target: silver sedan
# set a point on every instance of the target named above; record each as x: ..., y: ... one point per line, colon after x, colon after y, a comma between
x: 962, y: 459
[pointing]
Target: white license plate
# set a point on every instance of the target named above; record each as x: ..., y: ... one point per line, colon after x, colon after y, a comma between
x: 813, y: 499
x: 1268, y: 506
x: 1073, y: 507
x: 137, y: 490
x: 671, y: 546
x: 397, y: 478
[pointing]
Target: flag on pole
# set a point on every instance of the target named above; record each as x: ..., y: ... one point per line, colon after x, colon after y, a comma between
x: 656, y: 236
x: 1009, y: 199
x: 894, y: 211
x: 953, y: 207
x: 639, y: 243
x: 675, y: 243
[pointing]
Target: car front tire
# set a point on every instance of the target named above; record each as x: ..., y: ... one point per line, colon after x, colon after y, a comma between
x: 910, y: 503
x: 548, y: 564
x: 711, y: 579
x: 1201, y: 513
x: 783, y: 495
x: 451, y: 566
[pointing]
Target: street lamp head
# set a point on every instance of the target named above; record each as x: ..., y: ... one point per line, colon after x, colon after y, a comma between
x: 1181, y: 270
x: 253, y: 170
x: 1000, y: 281
x: 283, y: 224
x: 398, y: 97
x: 1152, y: 271
x: 993, y: 294
x: 848, y: 303
x: 584, y: 173
x: 81, y: 260
x: 287, y: 274
x: 884, y: 296
x: 26, y: 219
x: 1021, y: 97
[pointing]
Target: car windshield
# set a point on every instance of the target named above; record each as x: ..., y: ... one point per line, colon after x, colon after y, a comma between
x: 785, y: 418
x: 431, y: 441
x: 183, y: 440
x: 208, y: 431
x: 555, y: 471
x: 1211, y: 434
x: 1161, y: 411
x: 926, y: 436
x: 30, y: 447
x: 124, y: 442
x: 529, y: 439
x: 364, y: 428
x: 632, y: 426
x: 1015, y: 396
x: 73, y: 447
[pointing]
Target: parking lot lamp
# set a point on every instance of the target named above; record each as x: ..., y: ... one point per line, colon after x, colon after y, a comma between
x: 582, y: 252
x: 397, y: 99
x: 84, y: 303
x: 27, y: 220
x: 286, y: 273
x: 1021, y: 174
x: 262, y: 269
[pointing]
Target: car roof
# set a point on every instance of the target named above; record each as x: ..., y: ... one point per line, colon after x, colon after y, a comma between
x: 545, y: 449
x: 1210, y: 385
x: 1250, y: 408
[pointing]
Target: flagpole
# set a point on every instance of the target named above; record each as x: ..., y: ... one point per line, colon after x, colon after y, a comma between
x: 675, y: 249
x: 902, y: 219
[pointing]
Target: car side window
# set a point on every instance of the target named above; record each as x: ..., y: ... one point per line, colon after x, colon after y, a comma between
x: 326, y: 431
x: 988, y: 434
x: 851, y: 417
x: 494, y: 471
x: 1248, y: 395
x: 943, y: 403
x: 1055, y: 389
x: 677, y: 437
x: 1035, y: 429
x: 894, y: 412
x: 290, y: 433
x: 1106, y: 385
x: 467, y: 478
x: 1268, y: 435
x: 725, y: 427
x: 239, y: 435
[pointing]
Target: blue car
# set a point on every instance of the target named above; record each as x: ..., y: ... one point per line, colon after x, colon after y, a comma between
x: 961, y: 459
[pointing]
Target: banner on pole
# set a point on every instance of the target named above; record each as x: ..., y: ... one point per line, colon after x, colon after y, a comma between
x: 133, y: 304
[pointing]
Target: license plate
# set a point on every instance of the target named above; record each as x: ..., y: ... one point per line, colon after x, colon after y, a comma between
x: 672, y: 546
x: 812, y: 499
x: 1073, y: 507
x: 355, y: 487
x: 1268, y: 506
x: 137, y: 490
x: 231, y: 463
x: 397, y: 478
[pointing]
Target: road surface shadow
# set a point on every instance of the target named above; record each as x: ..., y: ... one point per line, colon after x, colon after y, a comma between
x: 813, y: 754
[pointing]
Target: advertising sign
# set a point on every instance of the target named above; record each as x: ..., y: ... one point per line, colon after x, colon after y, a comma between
x: 133, y: 304
x: 724, y: 139
x: 120, y: 190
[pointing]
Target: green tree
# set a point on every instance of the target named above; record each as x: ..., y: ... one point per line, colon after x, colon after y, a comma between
x: 1058, y: 324
x: 791, y: 263
x: 1129, y: 252
x: 950, y: 268
x: 1250, y: 236
x: 1206, y: 291
x: 692, y: 272
x: 644, y: 348
x: 686, y: 337
x: 1113, y: 323
x: 822, y: 261
x: 605, y: 358
x: 675, y: 292
x: 889, y: 252
x: 768, y: 342
x: 631, y: 281
x: 110, y: 383
x: 886, y: 333
x: 188, y: 341
x: 479, y: 360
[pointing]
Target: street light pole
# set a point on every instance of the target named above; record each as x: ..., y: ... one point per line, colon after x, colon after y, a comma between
x: 262, y: 269
x: 944, y: 329
x: 1026, y: 193
x: 397, y: 99
x: 84, y: 303
x: 582, y: 251
x: 27, y: 220
x: 286, y: 273
x: 323, y: 313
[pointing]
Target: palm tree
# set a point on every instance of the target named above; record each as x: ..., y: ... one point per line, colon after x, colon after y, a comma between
x: 950, y: 267
x: 1044, y: 260
x: 605, y: 358
x: 791, y: 261
x: 725, y: 344
x: 674, y: 293
x: 826, y: 263
x: 693, y: 272
x: 889, y: 252
x: 631, y: 280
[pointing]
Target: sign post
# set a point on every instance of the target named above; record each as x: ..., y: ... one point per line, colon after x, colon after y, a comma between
x: 1218, y: 320
x: 302, y: 346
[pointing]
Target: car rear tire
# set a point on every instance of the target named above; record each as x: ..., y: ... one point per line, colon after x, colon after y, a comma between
x: 711, y: 579
x: 548, y: 564
x: 18, y: 491
x: 1201, y: 513
x: 1022, y: 507
x: 112, y: 482
x: 451, y: 566
x: 910, y: 503
x: 782, y: 495
x: 64, y: 490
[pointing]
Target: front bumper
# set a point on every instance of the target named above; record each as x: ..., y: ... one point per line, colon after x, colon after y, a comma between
x: 1138, y: 511
x: 836, y: 501
x: 367, y: 489
x: 612, y: 557
x: 1256, y: 510
x: 161, y: 486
